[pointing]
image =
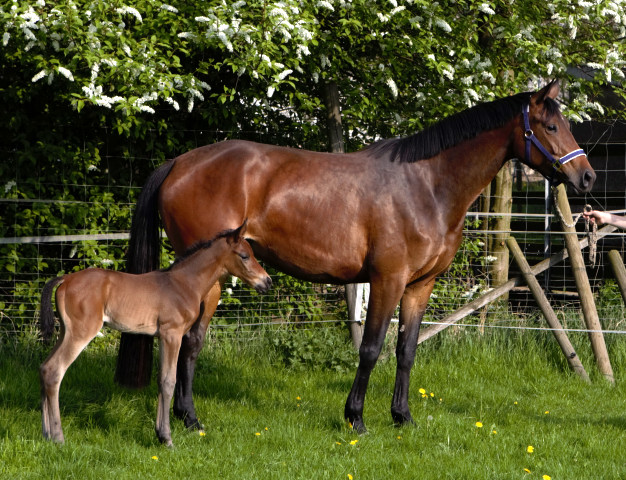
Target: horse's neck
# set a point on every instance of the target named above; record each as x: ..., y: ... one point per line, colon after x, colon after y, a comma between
x: 472, y: 165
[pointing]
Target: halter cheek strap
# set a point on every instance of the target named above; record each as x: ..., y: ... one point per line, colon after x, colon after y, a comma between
x: 530, y: 137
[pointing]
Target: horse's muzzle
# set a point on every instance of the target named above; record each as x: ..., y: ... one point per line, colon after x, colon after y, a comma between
x: 264, y: 285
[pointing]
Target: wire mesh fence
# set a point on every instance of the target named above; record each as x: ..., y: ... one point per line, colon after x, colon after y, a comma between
x: 34, y: 253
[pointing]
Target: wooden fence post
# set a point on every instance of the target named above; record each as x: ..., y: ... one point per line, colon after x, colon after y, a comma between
x: 502, y: 202
x: 587, y: 302
x: 620, y: 271
x: 548, y: 312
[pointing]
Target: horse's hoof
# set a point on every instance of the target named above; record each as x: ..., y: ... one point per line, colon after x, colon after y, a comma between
x: 357, y: 425
x: 402, y: 419
x: 193, y: 424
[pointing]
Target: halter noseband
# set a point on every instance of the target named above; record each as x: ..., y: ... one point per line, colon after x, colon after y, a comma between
x: 530, y: 137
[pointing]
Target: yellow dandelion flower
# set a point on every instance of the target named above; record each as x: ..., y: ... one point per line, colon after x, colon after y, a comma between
x: 258, y: 434
x: 399, y: 437
x: 337, y: 443
x: 526, y: 470
x: 201, y: 433
x: 530, y: 449
x: 422, y: 391
x: 494, y: 432
x: 432, y: 394
x: 479, y: 424
x: 546, y: 477
x: 514, y: 403
x: 354, y: 442
x: 298, y: 398
x: 546, y: 412
x: 349, y: 477
x: 155, y: 457
x: 266, y: 429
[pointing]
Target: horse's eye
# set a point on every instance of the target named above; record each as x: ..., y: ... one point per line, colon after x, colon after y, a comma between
x: 552, y: 128
x: 244, y: 256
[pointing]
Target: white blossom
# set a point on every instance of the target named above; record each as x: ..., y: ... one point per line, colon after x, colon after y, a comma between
x: 270, y: 91
x: 5, y: 39
x: 130, y: 10
x: 392, y: 86
x: 284, y: 74
x: 169, y: 8
x: 443, y: 25
x: 66, y: 73
x: 325, y: 4
x: 9, y: 186
x: 39, y: 76
x: 486, y: 8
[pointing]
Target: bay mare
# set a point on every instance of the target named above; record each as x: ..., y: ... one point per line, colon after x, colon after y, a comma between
x: 164, y: 303
x: 391, y: 215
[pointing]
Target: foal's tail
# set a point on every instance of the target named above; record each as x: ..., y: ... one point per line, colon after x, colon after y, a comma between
x: 134, y: 359
x: 46, y: 313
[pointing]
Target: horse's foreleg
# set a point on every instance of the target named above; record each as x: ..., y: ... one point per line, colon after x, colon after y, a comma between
x: 191, y: 345
x: 383, y: 300
x: 412, y: 310
x: 168, y: 351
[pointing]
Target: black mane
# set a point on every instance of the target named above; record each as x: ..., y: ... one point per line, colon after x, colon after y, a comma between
x: 456, y: 128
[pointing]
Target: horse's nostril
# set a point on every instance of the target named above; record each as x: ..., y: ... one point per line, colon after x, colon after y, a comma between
x: 589, y: 178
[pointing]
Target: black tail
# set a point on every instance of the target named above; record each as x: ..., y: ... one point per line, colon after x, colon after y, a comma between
x: 46, y: 313
x: 134, y: 359
x: 144, y: 249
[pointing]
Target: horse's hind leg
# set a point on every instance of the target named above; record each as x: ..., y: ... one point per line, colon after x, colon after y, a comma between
x: 191, y: 345
x: 51, y: 373
x: 412, y: 310
x: 168, y: 352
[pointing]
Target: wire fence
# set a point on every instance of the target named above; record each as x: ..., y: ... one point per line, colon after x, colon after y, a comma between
x: 102, y: 243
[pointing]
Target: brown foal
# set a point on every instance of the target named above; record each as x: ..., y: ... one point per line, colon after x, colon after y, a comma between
x: 163, y: 303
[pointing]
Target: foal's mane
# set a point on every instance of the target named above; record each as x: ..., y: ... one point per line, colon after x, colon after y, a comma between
x: 200, y: 245
x: 456, y: 129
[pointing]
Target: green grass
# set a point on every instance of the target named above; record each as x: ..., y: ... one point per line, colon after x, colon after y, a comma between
x: 265, y: 420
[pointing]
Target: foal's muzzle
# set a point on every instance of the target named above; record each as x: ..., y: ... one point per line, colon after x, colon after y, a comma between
x: 264, y: 285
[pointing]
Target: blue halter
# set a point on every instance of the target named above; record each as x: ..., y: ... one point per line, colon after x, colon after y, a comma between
x: 557, y: 163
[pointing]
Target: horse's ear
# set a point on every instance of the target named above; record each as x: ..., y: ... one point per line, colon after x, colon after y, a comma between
x: 551, y: 90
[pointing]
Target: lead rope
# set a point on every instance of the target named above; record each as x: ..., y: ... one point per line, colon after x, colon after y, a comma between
x: 592, y: 235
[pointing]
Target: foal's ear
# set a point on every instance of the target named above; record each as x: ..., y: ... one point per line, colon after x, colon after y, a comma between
x: 237, y: 234
x: 551, y: 90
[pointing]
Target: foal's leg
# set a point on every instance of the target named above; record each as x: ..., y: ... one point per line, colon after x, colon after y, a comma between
x: 191, y: 345
x: 412, y: 310
x: 71, y: 342
x: 382, y: 303
x: 169, y: 346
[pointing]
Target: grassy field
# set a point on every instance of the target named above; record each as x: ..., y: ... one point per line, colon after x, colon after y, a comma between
x: 503, y: 406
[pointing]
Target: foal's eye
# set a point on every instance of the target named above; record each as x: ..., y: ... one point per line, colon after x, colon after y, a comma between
x: 244, y: 256
x: 552, y: 128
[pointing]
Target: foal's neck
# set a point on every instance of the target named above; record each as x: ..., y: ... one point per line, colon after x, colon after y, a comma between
x: 201, y: 270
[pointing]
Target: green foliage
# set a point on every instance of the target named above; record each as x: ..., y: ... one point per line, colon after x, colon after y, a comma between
x: 328, y: 348
x: 96, y: 94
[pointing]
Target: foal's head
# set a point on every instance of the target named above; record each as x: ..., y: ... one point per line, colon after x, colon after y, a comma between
x: 240, y: 261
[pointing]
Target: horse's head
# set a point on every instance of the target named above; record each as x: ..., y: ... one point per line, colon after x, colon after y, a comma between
x: 548, y: 144
x: 242, y: 263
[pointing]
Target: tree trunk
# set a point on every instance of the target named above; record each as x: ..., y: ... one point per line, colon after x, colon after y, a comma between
x: 335, y: 144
